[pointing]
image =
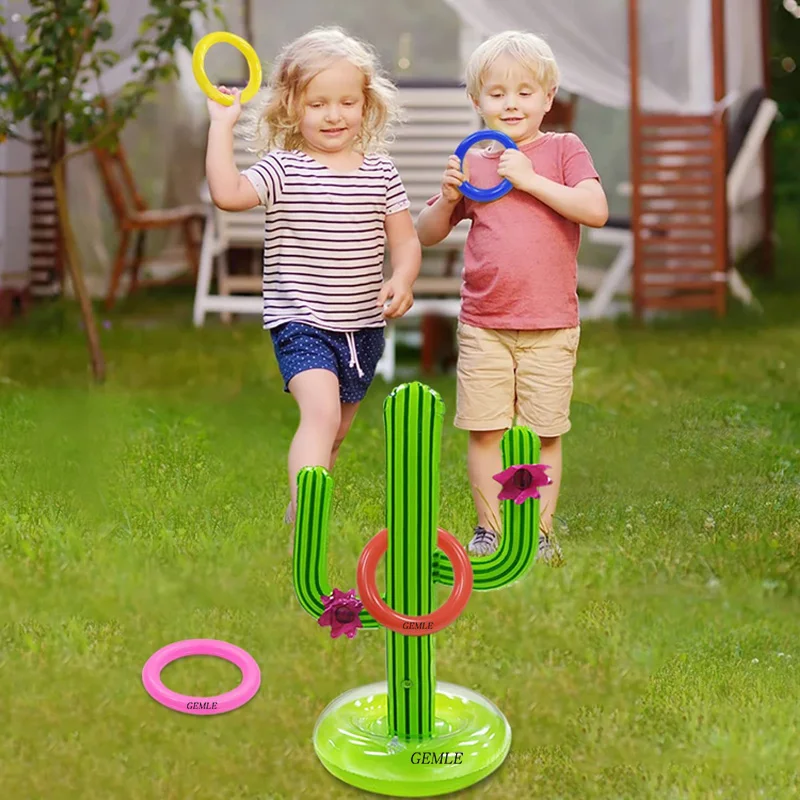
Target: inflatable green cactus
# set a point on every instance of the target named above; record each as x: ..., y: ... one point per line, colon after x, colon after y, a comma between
x: 410, y: 735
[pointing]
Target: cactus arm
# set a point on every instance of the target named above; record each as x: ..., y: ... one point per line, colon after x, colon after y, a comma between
x: 310, y: 560
x: 520, y: 539
x: 511, y: 562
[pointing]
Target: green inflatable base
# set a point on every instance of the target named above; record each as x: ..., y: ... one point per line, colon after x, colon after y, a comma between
x: 470, y: 741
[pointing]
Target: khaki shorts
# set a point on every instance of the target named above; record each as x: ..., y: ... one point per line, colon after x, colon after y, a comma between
x: 527, y: 374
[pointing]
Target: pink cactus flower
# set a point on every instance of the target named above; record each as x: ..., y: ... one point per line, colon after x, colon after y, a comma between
x: 522, y: 481
x: 341, y: 613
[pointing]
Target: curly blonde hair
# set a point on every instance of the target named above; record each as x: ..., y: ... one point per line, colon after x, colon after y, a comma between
x: 276, y: 123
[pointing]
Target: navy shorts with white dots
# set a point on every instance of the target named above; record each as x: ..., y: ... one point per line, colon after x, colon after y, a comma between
x: 300, y: 347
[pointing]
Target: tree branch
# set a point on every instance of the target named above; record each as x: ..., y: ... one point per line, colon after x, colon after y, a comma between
x: 20, y: 138
x: 26, y: 173
x: 9, y: 56
x: 114, y: 127
x: 93, y: 13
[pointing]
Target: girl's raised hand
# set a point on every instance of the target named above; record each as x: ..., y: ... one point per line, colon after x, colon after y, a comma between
x: 221, y: 113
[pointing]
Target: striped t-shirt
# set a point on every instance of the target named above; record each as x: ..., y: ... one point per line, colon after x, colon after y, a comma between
x: 324, y: 238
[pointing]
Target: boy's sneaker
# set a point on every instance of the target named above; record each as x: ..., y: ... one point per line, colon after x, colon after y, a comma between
x: 549, y: 551
x: 484, y: 541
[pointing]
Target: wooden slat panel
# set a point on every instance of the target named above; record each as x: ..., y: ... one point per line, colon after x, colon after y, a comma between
x: 679, y: 285
x: 429, y: 285
x: 683, y: 130
x: 439, y: 114
x: 672, y: 248
x: 663, y: 172
x: 668, y: 213
x: 662, y: 223
x: 676, y: 121
x: 683, y: 273
x: 662, y: 263
x: 700, y: 301
x: 687, y: 152
x: 426, y: 132
x: 676, y: 243
x: 45, y: 257
x: 434, y: 97
x: 695, y: 193
x: 680, y: 215
x: 677, y: 164
x: 652, y: 239
x: 660, y: 135
x: 418, y: 160
x: 671, y: 181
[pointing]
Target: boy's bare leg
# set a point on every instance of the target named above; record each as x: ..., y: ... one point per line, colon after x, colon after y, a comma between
x: 484, y: 460
x: 550, y: 455
x: 549, y: 551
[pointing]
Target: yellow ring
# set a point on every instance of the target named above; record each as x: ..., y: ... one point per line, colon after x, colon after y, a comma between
x: 199, y: 70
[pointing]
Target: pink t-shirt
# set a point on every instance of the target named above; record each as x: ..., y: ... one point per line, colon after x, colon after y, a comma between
x: 520, y: 259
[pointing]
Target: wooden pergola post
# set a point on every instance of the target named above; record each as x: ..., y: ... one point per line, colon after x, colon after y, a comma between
x: 767, y: 260
x: 635, y: 151
x: 720, y: 162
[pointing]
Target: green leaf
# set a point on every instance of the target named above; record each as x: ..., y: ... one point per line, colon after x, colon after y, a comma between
x: 56, y: 68
x: 105, y: 30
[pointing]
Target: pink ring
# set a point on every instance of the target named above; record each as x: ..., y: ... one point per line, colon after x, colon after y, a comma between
x: 251, y: 677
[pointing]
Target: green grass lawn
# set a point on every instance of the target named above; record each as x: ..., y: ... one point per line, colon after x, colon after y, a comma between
x: 662, y: 661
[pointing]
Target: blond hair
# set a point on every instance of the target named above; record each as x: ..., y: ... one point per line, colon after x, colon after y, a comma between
x: 529, y: 50
x: 277, y: 121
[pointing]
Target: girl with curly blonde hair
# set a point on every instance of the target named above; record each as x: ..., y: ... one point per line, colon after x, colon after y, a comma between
x: 277, y: 124
x: 332, y: 201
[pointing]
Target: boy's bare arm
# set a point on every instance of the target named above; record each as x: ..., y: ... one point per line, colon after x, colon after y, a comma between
x: 433, y: 223
x: 585, y: 203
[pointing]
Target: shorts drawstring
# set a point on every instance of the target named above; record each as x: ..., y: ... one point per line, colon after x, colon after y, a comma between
x: 351, y: 343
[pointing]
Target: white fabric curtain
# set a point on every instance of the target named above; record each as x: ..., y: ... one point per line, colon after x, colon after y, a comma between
x: 590, y: 41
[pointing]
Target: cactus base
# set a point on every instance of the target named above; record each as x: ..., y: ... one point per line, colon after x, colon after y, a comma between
x: 351, y: 739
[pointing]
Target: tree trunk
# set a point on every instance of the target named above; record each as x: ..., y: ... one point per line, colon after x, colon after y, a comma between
x: 76, y: 274
x: 247, y: 22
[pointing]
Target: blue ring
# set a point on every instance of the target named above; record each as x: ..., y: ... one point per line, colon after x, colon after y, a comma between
x: 502, y: 188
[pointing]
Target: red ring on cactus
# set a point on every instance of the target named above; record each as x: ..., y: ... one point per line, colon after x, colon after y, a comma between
x: 401, y: 623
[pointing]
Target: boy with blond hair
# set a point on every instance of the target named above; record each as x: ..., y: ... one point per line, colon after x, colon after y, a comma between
x: 519, y: 329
